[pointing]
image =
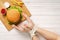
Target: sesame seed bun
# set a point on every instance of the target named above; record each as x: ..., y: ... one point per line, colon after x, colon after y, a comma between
x: 13, y: 15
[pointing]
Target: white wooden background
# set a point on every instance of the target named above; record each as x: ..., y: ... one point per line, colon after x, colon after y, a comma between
x: 45, y: 13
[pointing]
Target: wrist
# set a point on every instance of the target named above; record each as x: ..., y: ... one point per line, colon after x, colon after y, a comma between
x: 33, y: 31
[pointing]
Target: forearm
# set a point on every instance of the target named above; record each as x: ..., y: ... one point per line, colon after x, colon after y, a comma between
x: 46, y: 34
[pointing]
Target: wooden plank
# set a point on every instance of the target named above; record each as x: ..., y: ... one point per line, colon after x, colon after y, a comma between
x: 8, y: 26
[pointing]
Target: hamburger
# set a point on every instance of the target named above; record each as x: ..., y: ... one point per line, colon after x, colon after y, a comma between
x: 14, y: 14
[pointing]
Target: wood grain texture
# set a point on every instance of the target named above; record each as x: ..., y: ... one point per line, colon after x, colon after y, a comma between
x: 8, y: 26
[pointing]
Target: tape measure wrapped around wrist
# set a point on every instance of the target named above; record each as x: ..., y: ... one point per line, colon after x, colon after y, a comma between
x: 33, y: 31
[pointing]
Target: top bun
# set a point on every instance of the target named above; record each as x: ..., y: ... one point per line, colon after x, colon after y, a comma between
x: 13, y: 15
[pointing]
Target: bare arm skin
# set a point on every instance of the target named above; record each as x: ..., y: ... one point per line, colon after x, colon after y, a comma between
x: 35, y: 37
x: 48, y: 35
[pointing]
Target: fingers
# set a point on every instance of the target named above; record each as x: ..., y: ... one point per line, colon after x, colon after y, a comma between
x: 30, y: 23
x: 24, y: 15
x: 28, y: 26
x: 22, y: 27
x: 28, y: 19
x: 25, y: 27
x: 14, y: 26
x: 18, y: 28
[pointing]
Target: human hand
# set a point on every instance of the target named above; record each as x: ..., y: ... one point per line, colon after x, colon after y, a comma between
x: 24, y: 27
